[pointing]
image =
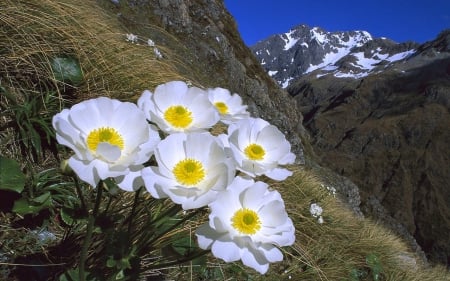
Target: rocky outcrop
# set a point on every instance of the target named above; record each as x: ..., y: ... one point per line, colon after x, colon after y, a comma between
x: 388, y: 133
x: 209, y: 43
x: 209, y: 32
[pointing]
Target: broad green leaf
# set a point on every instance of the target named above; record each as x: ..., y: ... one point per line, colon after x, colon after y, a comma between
x: 67, y: 69
x: 23, y: 206
x: 11, y: 177
x: 67, y: 219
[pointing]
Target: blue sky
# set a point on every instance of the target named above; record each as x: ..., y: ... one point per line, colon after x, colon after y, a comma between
x: 399, y: 20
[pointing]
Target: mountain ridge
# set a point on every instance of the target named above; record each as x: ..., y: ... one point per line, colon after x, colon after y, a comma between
x: 388, y: 133
x: 307, y: 50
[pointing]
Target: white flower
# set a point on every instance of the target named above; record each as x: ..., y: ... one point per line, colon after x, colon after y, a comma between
x: 157, y: 53
x: 315, y: 210
x: 175, y: 107
x: 229, y: 106
x: 259, y: 148
x: 247, y: 222
x: 150, y: 43
x: 132, y: 38
x: 110, y: 139
x: 192, y: 169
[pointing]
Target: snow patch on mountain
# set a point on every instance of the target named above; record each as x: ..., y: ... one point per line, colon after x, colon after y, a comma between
x: 289, y: 39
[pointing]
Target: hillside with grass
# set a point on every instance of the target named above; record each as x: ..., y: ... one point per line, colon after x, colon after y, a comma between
x: 56, y: 54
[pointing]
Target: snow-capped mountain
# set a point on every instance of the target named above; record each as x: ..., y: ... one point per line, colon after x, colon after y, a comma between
x: 303, y: 50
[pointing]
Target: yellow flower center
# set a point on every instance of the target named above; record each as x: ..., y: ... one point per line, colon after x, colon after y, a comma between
x: 246, y: 221
x: 189, y: 172
x: 178, y: 116
x: 104, y: 134
x: 221, y: 107
x: 254, y: 152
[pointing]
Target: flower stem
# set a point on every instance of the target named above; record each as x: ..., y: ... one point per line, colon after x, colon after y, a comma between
x: 80, y: 194
x: 89, y: 230
x: 133, y: 209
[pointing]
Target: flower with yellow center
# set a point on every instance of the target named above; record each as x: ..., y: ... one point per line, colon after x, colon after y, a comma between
x: 259, y: 148
x: 192, y: 168
x: 254, y: 151
x: 229, y: 106
x: 221, y: 107
x: 178, y: 116
x: 175, y: 107
x: 247, y: 222
x: 109, y: 138
x: 189, y: 172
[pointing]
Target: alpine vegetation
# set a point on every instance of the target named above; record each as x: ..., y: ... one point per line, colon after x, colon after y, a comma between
x: 195, y: 169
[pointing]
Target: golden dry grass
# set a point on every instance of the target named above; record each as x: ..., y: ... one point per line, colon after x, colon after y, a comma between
x: 34, y: 32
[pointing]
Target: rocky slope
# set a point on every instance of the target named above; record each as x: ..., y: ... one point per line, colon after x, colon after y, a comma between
x: 209, y: 33
x: 389, y: 133
x: 208, y: 38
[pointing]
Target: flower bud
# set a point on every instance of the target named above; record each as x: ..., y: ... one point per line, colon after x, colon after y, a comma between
x: 65, y: 168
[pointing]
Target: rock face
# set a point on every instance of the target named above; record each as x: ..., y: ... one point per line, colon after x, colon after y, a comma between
x: 209, y: 41
x: 303, y: 50
x: 389, y: 133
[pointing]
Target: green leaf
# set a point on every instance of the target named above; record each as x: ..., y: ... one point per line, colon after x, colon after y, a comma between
x: 67, y: 69
x: 11, y: 177
x: 42, y: 199
x: 120, y: 275
x: 66, y: 217
x: 23, y: 206
x: 374, y: 263
x: 183, y: 245
x: 111, y: 262
x: 73, y: 275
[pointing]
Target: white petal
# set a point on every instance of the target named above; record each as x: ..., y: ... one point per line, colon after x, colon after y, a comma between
x: 85, y: 171
x: 287, y: 159
x: 278, y: 174
x: 226, y: 250
x: 270, y: 137
x: 188, y: 203
x: 257, y: 125
x: 254, y: 259
x: 169, y: 94
x: 205, y: 236
x: 110, y: 153
x: 198, y: 146
x: 224, y: 208
x: 151, y: 178
x: 273, y: 214
x: 253, y: 197
x: 147, y: 149
x: 131, y: 181
x: 271, y: 253
x: 146, y: 104
x: 66, y: 134
x: 171, y: 150
x: 87, y: 115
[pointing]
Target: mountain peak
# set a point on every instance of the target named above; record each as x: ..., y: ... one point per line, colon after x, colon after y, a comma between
x: 303, y: 50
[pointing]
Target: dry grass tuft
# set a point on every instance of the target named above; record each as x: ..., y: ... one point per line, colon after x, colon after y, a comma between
x: 35, y: 32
